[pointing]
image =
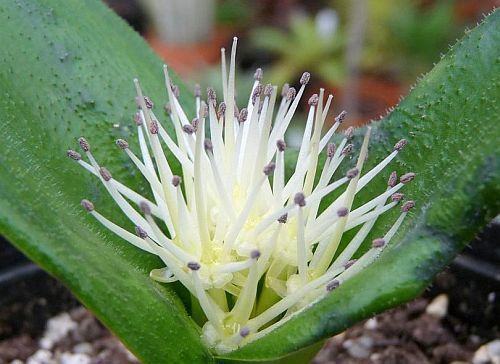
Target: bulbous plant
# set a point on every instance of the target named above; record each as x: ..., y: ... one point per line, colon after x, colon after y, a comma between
x: 64, y: 76
x: 231, y: 228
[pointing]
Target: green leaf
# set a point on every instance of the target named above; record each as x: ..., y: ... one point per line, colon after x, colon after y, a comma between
x: 66, y: 70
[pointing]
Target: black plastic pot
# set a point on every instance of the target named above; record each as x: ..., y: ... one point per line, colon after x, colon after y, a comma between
x: 28, y: 295
x: 472, y: 283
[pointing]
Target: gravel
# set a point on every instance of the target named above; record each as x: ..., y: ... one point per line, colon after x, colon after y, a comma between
x: 74, y: 337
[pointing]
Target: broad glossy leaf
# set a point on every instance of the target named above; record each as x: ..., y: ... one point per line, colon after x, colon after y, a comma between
x: 66, y: 70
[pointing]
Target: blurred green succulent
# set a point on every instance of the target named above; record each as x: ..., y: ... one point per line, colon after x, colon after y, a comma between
x: 309, y: 43
x: 406, y: 38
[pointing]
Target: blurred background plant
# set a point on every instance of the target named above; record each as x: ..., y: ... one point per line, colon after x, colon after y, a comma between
x: 309, y: 43
x: 364, y: 52
x: 406, y: 37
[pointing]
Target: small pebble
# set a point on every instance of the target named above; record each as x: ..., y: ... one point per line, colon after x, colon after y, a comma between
x: 438, y: 307
x: 83, y: 348
x: 371, y: 324
x: 488, y: 353
x: 69, y: 358
x: 57, y: 328
x: 42, y: 356
x: 359, y: 348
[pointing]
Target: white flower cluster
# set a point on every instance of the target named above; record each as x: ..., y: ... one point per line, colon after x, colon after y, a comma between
x: 233, y: 220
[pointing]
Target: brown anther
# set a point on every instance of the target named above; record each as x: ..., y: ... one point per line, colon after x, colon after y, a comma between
x: 393, y: 179
x: 145, y: 208
x: 256, y: 93
x: 291, y: 93
x: 197, y: 90
x: 349, y: 133
x: 168, y: 108
x: 84, y: 144
x: 268, y: 90
x: 258, y: 74
x: 378, y: 243
x: 208, y: 145
x: 330, y: 150
x: 332, y: 285
x: 284, y: 90
x: 350, y: 263
x: 407, y: 177
x: 148, y: 102
x: 175, y: 90
x: 105, y: 174
x: 195, y: 122
x: 194, y: 266
x: 347, y: 149
x: 300, y: 199
x: 283, y: 219
x: 153, y: 127
x: 400, y: 145
x: 398, y: 196
x: 243, y: 115
x: 352, y: 173
x: 341, y: 117
x: 281, y: 145
x: 87, y: 205
x: 269, y: 168
x: 221, y: 110
x: 122, y: 144
x: 138, y: 118
x: 259, y: 90
x: 140, y: 232
x: 188, y: 129
x: 407, y: 206
x: 342, y: 212
x: 255, y: 254
x: 304, y: 80
x: 313, y: 100
x: 176, y: 181
x: 244, y: 332
x: 211, y: 96
x: 73, y: 155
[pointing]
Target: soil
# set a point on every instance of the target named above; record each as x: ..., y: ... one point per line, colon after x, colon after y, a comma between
x: 29, y: 300
x: 75, y: 337
x: 405, y: 335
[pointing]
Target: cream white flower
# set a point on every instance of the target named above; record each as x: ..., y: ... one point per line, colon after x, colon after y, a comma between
x: 233, y: 219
